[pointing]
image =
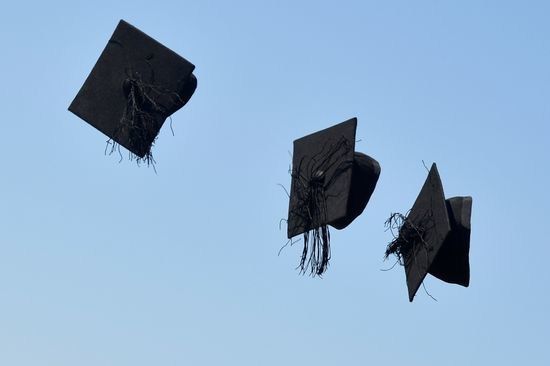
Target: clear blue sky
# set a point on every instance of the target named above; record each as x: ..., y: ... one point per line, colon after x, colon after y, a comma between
x: 108, y: 264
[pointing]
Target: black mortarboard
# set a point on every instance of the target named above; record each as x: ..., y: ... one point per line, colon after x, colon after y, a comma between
x: 434, y: 237
x: 134, y: 86
x: 331, y: 185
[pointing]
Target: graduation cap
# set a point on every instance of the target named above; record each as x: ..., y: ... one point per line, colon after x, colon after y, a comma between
x: 434, y: 237
x: 134, y: 86
x: 331, y: 185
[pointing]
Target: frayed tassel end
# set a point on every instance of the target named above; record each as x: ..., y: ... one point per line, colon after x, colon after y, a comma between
x: 316, y: 253
x: 148, y: 159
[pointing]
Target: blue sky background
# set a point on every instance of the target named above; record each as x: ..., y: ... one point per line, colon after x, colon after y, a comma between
x: 104, y: 263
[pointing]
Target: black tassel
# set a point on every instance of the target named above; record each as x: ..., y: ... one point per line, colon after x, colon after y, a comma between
x: 406, y: 237
x: 316, y: 240
x: 142, y: 118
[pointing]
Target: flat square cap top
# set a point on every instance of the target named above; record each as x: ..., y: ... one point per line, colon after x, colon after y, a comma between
x: 132, y: 58
x: 321, y: 167
x: 429, y: 216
